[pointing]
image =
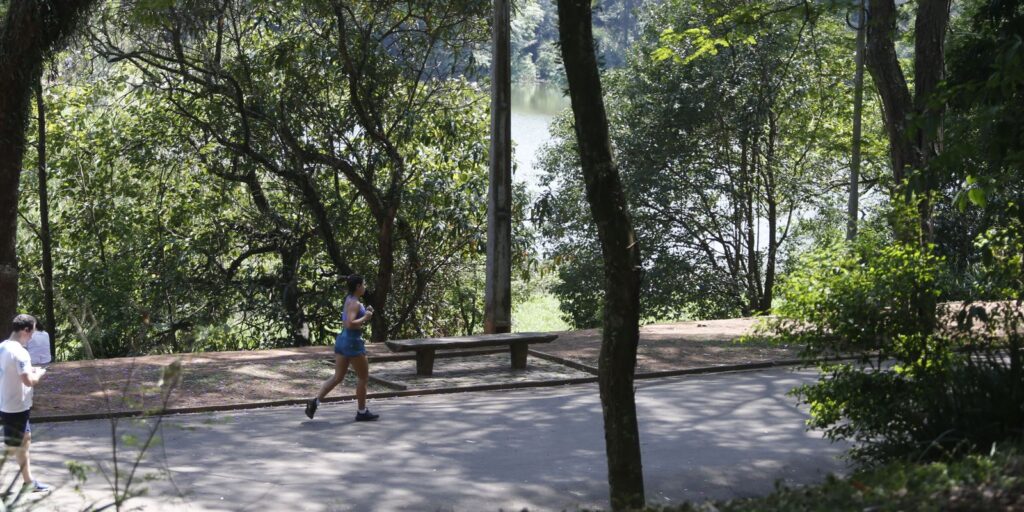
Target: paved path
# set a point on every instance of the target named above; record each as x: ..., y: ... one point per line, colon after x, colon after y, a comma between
x: 717, y: 436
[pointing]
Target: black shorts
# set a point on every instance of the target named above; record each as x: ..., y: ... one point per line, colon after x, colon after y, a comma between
x: 16, y: 424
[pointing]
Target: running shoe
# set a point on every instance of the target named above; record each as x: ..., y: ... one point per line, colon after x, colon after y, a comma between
x: 37, y: 486
x: 366, y: 416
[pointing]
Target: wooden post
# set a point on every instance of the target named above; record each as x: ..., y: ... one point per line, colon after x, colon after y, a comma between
x: 498, y: 292
x: 518, y: 350
x: 425, y: 362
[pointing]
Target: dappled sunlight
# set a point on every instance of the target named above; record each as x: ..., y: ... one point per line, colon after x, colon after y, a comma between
x: 755, y: 431
x: 258, y: 371
x: 702, y: 436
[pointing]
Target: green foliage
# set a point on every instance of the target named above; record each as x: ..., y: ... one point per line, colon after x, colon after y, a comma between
x: 910, y: 392
x: 720, y: 157
x: 918, y: 392
x: 937, y: 404
x: 856, y: 297
x: 982, y: 163
x: 184, y: 217
x: 1002, y: 252
x: 131, y: 224
x: 534, y: 37
x: 580, y: 288
x: 699, y: 38
x: 979, y: 482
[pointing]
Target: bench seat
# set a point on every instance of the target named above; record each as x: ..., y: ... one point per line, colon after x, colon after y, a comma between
x: 425, y: 348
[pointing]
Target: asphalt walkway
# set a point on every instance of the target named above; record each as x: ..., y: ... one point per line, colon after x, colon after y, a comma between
x: 703, y: 436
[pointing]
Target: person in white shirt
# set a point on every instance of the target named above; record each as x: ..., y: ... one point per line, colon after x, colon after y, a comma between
x: 39, y: 347
x: 17, y: 378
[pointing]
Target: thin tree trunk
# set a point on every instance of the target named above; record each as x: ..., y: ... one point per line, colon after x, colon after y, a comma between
x: 773, y: 217
x: 44, y: 223
x: 749, y: 198
x: 737, y: 272
x: 619, y: 249
x: 852, y: 205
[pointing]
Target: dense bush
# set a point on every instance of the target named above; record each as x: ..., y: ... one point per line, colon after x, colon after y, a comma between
x: 854, y: 297
x: 910, y: 392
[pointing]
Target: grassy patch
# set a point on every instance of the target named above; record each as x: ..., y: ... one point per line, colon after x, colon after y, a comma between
x: 538, y: 313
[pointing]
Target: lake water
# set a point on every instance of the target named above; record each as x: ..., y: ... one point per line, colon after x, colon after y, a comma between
x: 533, y: 108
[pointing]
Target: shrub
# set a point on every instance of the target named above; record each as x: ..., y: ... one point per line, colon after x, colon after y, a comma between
x: 909, y: 392
x: 849, y: 298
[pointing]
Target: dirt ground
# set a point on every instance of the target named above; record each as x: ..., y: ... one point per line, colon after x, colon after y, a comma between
x: 222, y: 378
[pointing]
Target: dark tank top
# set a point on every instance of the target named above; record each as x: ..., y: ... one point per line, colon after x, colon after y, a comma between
x: 344, y: 310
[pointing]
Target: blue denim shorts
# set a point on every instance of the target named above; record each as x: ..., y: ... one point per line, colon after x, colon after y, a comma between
x: 349, y: 343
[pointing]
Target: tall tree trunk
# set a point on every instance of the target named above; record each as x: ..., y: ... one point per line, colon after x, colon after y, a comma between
x: 929, y: 70
x: 298, y: 327
x: 912, y: 147
x: 772, y: 205
x: 44, y: 222
x: 421, y: 278
x: 385, y: 271
x: 883, y: 64
x: 737, y: 271
x: 29, y: 32
x: 498, y: 289
x: 619, y: 249
x: 749, y: 199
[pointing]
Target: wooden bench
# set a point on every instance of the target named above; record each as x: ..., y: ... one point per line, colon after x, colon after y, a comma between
x: 425, y: 347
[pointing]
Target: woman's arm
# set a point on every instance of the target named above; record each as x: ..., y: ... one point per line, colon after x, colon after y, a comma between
x: 351, y: 312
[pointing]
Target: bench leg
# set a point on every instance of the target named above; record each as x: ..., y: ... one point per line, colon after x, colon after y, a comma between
x: 518, y: 350
x: 425, y: 362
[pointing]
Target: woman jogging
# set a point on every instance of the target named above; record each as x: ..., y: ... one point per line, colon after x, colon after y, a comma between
x: 350, y: 350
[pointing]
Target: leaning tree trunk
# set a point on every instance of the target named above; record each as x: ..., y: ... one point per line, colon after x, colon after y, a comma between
x: 30, y: 31
x: 620, y: 321
x: 883, y: 64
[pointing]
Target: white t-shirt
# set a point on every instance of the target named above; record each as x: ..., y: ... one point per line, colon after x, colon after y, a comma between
x: 15, y: 396
x: 39, y: 348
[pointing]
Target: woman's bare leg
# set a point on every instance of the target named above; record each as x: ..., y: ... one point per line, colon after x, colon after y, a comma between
x: 340, y: 369
x: 362, y: 368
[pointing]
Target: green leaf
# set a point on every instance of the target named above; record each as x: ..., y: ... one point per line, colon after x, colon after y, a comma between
x: 661, y: 54
x: 977, y: 196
